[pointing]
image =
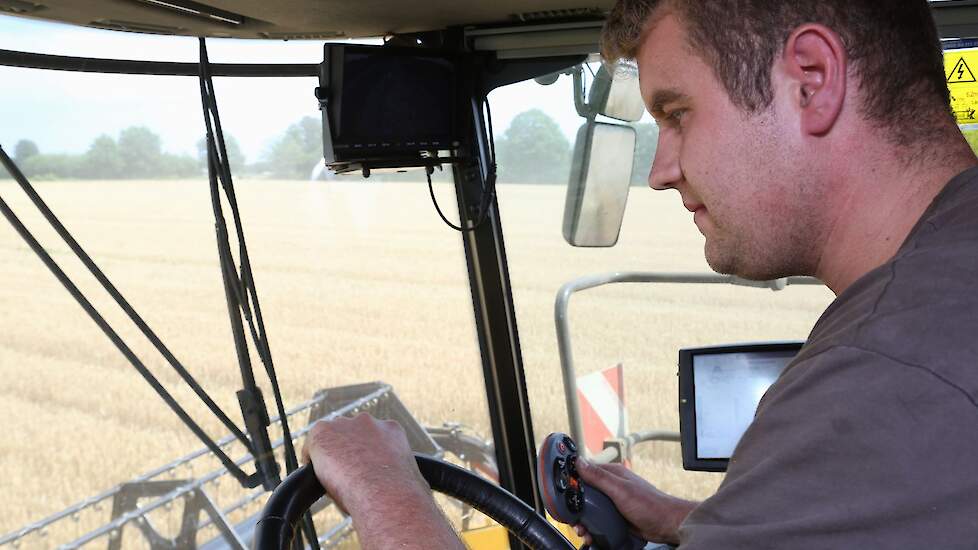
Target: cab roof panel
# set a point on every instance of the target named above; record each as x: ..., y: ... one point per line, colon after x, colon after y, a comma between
x: 300, y: 19
x: 338, y: 19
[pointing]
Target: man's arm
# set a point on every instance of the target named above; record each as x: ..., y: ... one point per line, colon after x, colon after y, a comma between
x: 654, y: 515
x: 404, y: 516
x: 367, y: 467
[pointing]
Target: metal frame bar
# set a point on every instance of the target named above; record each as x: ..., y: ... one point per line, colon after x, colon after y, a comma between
x: 612, y: 454
x: 593, y: 281
x: 956, y: 19
x: 488, y: 270
x: 376, y: 398
x: 27, y: 60
x: 492, y: 301
x: 189, y: 489
x: 105, y: 496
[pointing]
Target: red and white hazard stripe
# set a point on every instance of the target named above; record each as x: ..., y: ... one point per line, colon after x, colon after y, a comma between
x: 601, y: 396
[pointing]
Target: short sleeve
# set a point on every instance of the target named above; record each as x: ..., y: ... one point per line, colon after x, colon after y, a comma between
x: 849, y: 449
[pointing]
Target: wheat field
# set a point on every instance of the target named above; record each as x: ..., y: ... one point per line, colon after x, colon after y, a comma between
x: 359, y: 281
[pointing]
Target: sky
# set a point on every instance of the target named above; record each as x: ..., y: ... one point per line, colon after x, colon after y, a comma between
x: 63, y: 112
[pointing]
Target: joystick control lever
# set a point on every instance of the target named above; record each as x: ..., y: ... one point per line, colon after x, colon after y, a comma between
x: 569, y: 500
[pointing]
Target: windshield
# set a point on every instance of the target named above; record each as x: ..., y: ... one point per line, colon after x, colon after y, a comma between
x: 363, y: 290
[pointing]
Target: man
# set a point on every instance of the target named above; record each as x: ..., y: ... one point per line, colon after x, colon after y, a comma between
x: 810, y: 137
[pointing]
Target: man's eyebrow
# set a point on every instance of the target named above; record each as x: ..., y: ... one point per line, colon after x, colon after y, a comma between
x: 660, y: 98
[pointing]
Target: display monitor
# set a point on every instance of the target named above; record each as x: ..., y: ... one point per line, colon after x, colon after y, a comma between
x: 719, y: 390
x: 383, y: 106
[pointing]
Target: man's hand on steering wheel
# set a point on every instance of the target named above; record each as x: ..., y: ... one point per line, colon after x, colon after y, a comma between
x: 353, y: 454
x: 366, y: 466
x: 368, y: 469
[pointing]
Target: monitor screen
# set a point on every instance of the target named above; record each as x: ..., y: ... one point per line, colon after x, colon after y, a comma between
x: 720, y: 388
x: 395, y: 98
x: 386, y: 104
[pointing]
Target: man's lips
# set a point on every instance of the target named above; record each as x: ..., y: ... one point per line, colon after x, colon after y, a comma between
x: 692, y: 207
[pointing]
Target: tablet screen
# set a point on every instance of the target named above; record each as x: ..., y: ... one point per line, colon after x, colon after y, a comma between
x: 728, y: 388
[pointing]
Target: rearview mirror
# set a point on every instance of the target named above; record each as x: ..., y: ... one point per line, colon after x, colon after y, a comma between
x: 601, y: 170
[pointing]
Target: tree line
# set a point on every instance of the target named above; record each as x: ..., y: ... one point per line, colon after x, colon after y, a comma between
x: 532, y: 149
x: 136, y: 154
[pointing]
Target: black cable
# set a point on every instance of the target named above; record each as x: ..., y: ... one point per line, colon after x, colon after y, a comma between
x: 100, y: 321
x: 431, y: 191
x: 488, y: 191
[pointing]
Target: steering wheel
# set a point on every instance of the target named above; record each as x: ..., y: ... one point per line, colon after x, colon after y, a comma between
x: 301, y: 489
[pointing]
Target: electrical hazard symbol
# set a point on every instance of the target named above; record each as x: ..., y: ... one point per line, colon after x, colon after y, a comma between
x: 961, y: 73
x: 962, y: 84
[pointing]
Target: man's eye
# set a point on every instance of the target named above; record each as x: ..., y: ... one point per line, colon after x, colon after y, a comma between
x: 676, y: 117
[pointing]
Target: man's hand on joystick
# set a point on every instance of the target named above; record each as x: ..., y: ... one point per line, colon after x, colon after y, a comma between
x: 570, y: 500
x: 653, y: 515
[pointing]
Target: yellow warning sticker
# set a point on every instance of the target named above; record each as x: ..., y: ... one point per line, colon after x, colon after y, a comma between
x: 960, y: 67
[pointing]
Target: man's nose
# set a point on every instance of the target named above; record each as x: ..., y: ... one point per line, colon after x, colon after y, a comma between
x: 666, y: 171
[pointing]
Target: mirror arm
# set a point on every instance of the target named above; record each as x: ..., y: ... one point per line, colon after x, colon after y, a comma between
x: 583, y: 109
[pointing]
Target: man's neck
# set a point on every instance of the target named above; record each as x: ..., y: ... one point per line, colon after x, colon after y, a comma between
x: 876, y: 206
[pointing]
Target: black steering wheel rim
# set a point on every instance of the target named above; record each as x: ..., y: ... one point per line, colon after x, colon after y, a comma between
x: 301, y: 489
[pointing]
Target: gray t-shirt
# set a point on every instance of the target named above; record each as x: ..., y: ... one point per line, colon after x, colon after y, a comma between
x: 870, y: 437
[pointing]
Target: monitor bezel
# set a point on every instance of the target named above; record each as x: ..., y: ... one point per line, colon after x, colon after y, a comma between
x: 343, y: 153
x: 687, y: 397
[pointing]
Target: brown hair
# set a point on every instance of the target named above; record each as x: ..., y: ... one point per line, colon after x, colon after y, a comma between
x: 893, y: 46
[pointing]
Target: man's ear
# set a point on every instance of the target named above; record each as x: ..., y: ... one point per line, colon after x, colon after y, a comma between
x: 815, y: 62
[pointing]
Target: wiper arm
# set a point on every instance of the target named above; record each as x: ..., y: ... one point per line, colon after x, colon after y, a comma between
x: 126, y: 351
x: 242, y: 298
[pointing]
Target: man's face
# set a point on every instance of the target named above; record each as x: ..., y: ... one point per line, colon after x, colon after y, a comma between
x: 741, y: 173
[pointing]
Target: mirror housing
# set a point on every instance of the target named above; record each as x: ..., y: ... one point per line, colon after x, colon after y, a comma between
x: 614, y: 93
x: 601, y: 170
